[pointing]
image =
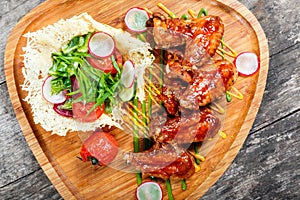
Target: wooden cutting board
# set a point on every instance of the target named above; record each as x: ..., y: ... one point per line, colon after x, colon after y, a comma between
x: 57, y: 155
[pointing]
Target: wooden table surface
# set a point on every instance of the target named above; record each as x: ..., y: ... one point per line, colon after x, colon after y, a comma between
x: 267, y: 167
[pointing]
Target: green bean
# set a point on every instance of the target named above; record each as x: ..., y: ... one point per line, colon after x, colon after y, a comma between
x: 149, y: 96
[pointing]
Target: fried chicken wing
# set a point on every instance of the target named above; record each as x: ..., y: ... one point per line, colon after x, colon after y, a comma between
x: 164, y: 33
x: 228, y: 73
x: 207, y: 32
x: 191, y: 81
x: 177, y: 66
x: 169, y: 101
x: 164, y: 161
x: 191, y: 126
x: 201, y: 36
x: 209, y: 85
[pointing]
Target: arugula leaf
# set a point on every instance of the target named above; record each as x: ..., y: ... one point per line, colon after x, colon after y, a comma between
x: 67, y: 105
x: 115, y: 64
x: 84, y: 48
x: 94, y: 85
x: 59, y: 84
x: 74, y: 43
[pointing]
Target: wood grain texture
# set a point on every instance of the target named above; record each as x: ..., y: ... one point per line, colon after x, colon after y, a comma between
x: 241, y: 168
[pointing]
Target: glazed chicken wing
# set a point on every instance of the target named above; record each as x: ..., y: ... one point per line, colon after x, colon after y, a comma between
x: 169, y: 101
x: 201, y: 36
x: 177, y: 66
x: 228, y: 73
x: 191, y: 81
x: 209, y: 85
x: 191, y: 126
x: 163, y: 161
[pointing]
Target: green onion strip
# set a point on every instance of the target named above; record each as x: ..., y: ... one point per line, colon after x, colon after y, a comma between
x: 196, y: 152
x: 135, y: 127
x: 228, y: 97
x: 202, y: 11
x: 147, y: 142
x: 136, y: 136
x: 150, y: 96
x: 183, y: 184
x: 222, y: 45
x: 169, y: 189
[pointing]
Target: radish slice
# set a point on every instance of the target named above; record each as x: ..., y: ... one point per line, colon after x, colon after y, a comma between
x: 101, y: 45
x: 128, y: 74
x: 136, y: 18
x: 52, y: 98
x: 62, y: 112
x: 149, y: 190
x: 126, y: 94
x: 247, y: 63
